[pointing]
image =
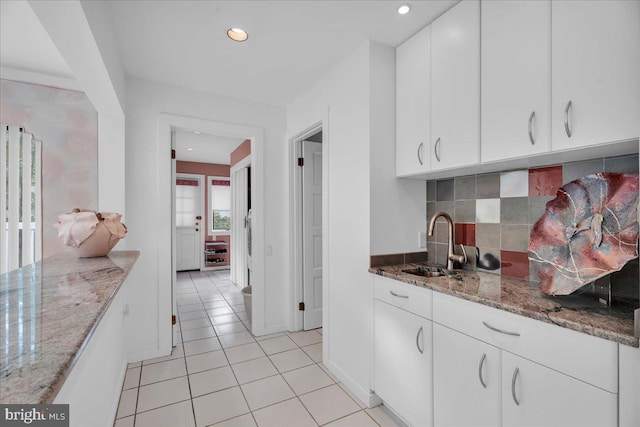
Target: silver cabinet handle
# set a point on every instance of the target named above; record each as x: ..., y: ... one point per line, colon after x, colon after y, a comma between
x: 421, y: 350
x: 435, y: 149
x: 531, y: 117
x: 513, y: 385
x: 398, y: 295
x: 420, y: 153
x: 566, y: 118
x: 484, y: 357
x: 515, y: 334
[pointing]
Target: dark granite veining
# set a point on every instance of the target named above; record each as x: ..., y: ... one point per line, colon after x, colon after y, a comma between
x: 49, y: 311
x: 582, y: 314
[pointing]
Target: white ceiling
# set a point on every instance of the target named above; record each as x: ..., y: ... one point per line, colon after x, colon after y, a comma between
x: 25, y: 45
x: 291, y: 43
x: 181, y: 42
x: 206, y: 148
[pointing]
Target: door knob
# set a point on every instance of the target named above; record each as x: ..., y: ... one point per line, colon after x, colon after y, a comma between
x: 199, y: 217
x: 197, y: 229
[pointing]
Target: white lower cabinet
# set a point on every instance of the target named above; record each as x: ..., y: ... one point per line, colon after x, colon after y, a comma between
x: 466, y: 380
x: 403, y: 363
x: 444, y: 361
x: 534, y: 395
x: 494, y: 387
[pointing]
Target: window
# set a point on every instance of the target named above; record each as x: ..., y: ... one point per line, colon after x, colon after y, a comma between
x: 220, y: 204
x: 221, y: 220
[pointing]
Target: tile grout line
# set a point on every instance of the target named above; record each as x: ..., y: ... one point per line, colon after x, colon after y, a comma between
x: 234, y: 375
x: 184, y: 355
x: 267, y: 356
x: 237, y: 382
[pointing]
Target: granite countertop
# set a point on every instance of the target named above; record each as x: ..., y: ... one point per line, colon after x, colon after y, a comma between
x: 49, y: 311
x: 582, y: 314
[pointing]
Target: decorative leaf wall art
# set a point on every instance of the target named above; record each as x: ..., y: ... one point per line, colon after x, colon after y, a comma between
x: 588, y: 231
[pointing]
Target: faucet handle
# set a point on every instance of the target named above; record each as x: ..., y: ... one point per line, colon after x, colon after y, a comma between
x: 464, y: 254
x: 460, y: 259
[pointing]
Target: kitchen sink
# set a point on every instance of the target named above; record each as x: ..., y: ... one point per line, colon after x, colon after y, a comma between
x: 430, y: 271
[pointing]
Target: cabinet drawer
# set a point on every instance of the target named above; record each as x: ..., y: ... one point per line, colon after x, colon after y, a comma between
x: 412, y: 298
x: 578, y: 355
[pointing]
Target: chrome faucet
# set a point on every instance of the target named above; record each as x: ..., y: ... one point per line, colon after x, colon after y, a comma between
x: 451, y: 257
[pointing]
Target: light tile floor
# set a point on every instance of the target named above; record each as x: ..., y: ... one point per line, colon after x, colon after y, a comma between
x: 219, y: 374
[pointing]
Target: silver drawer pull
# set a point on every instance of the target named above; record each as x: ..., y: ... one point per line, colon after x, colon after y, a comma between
x: 515, y: 334
x: 566, y: 118
x: 398, y: 295
x: 420, y: 153
x: 421, y: 350
x: 484, y: 357
x: 436, y: 149
x: 531, y: 117
x: 513, y: 386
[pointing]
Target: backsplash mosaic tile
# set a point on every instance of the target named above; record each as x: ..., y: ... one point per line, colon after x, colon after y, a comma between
x: 514, y: 184
x: 487, y: 186
x: 506, y: 206
x: 545, y: 181
x: 488, y: 211
x: 515, y: 264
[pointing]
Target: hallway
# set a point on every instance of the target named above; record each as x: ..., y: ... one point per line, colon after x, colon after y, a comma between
x: 219, y: 374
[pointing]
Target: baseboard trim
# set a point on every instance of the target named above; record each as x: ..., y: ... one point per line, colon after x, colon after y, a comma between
x: 366, y: 396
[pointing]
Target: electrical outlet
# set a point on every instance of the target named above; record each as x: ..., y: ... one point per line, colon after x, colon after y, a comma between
x: 422, y: 240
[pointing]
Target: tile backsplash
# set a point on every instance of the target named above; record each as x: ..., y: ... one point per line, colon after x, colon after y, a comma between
x: 493, y: 215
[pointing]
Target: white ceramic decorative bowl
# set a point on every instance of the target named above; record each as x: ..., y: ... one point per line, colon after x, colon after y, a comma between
x: 89, y: 233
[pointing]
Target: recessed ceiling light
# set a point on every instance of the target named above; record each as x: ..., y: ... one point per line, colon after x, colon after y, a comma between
x: 237, y: 34
x: 189, y: 149
x: 404, y: 9
x: 195, y: 132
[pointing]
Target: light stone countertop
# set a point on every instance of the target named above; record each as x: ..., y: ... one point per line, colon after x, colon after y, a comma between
x: 48, y: 313
x: 582, y: 314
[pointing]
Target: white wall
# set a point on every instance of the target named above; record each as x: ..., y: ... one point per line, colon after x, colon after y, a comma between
x: 67, y: 25
x: 99, y: 18
x: 398, y: 206
x: 146, y: 100
x: 356, y: 103
x: 341, y: 101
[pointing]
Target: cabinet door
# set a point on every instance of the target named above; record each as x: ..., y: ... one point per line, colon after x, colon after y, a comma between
x: 413, y: 99
x: 533, y: 395
x: 403, y: 362
x: 466, y: 380
x: 516, y: 78
x: 596, y: 67
x: 455, y: 87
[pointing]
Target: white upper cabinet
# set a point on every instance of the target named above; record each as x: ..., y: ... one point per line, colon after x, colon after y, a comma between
x: 595, y: 72
x: 516, y: 78
x: 455, y: 87
x: 413, y: 71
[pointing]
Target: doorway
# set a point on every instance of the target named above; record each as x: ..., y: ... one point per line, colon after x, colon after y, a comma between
x: 189, y: 198
x: 167, y: 276
x: 307, y: 203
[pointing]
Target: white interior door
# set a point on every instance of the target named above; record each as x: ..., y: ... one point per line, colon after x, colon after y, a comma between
x: 189, y: 247
x: 239, y: 227
x: 312, y: 234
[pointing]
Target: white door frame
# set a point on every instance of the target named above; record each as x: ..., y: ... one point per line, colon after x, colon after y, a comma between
x: 202, y: 183
x: 295, y: 231
x: 166, y: 259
